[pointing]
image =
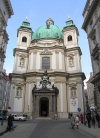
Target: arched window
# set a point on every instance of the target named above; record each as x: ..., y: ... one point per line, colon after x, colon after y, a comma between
x: 69, y: 38
x: 19, y: 92
x: 22, y: 62
x: 24, y: 39
x: 73, y: 93
x: 71, y: 61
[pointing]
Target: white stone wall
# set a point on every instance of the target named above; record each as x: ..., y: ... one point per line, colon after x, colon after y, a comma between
x: 21, y: 34
x: 74, y: 42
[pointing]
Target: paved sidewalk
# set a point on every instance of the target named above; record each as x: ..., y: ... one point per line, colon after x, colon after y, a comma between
x: 3, y: 127
x: 92, y: 131
x: 22, y: 130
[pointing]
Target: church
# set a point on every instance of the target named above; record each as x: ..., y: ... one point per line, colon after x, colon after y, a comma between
x: 47, y: 77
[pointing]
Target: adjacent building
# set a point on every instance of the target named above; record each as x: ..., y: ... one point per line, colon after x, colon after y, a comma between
x: 47, y: 77
x: 5, y: 13
x: 5, y: 86
x: 90, y: 91
x: 91, y: 25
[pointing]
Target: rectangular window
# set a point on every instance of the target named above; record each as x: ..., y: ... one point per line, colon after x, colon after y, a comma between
x: 45, y: 62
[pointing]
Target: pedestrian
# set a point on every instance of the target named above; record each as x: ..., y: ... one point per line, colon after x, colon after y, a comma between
x: 81, y: 118
x: 88, y: 116
x: 12, y: 122
x: 93, y: 118
x: 72, y: 121
x: 55, y: 116
x: 77, y: 121
x: 9, y: 122
x: 98, y: 119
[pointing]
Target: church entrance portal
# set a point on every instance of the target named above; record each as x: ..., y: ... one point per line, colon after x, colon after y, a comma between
x: 44, y: 107
x: 44, y: 98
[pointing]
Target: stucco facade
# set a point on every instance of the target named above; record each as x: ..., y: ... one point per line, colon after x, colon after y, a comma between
x: 5, y: 13
x: 53, y: 50
x: 91, y: 25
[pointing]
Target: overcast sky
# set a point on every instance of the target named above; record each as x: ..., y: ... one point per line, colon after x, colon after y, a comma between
x: 38, y: 11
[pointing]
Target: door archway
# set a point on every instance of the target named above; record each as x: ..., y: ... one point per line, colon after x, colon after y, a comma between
x: 44, y: 107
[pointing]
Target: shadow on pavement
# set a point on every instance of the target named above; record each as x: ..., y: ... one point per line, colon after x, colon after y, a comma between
x: 2, y: 133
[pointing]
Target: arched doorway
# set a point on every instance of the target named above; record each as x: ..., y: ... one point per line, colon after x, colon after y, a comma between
x: 44, y: 107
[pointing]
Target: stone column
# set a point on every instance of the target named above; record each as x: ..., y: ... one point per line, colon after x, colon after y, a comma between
x: 54, y: 104
x: 37, y: 105
x: 34, y: 105
x: 50, y: 106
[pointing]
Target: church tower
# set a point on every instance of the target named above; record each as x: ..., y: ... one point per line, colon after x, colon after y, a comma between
x: 24, y: 35
x: 73, y: 51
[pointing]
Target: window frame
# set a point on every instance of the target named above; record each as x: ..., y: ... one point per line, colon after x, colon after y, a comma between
x: 24, y: 39
x: 69, y: 38
x: 45, y: 63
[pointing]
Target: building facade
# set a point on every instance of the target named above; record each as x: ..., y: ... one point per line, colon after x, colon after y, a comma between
x: 4, y: 92
x: 47, y: 78
x: 90, y: 91
x: 5, y: 13
x: 91, y: 25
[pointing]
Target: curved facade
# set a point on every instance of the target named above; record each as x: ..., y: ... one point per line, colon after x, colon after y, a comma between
x: 61, y: 57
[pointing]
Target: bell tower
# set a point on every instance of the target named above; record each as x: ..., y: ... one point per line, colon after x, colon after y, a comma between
x: 73, y: 51
x: 70, y: 33
x: 24, y: 35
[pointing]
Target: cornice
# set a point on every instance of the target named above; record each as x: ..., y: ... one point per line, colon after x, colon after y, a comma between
x: 50, y: 74
x: 95, y: 78
x: 73, y: 49
x: 51, y: 47
x: 37, y: 74
x: 9, y: 7
x: 70, y: 28
x: 89, y: 14
x: 80, y: 74
x: 96, y: 52
x: 19, y: 50
x: 86, y: 5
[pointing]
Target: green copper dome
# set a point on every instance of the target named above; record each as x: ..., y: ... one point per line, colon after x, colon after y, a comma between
x: 48, y: 31
x: 26, y: 24
x: 69, y: 23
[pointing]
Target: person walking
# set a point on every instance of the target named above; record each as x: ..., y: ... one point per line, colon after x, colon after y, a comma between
x: 93, y: 118
x: 81, y: 118
x: 72, y: 121
x: 98, y: 119
x: 88, y: 116
x: 77, y: 121
x: 9, y: 122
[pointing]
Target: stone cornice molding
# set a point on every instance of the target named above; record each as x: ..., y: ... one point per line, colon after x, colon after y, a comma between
x: 51, y: 47
x: 9, y: 7
x: 70, y: 28
x: 73, y: 49
x: 80, y: 74
x: 95, y: 78
x: 96, y: 52
x: 50, y: 74
x: 24, y: 30
x: 90, y: 13
x: 19, y: 50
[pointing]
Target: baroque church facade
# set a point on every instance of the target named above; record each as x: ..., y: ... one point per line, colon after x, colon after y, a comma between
x: 47, y: 77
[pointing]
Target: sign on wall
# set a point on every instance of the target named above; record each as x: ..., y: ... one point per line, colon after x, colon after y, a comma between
x: 73, y: 105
